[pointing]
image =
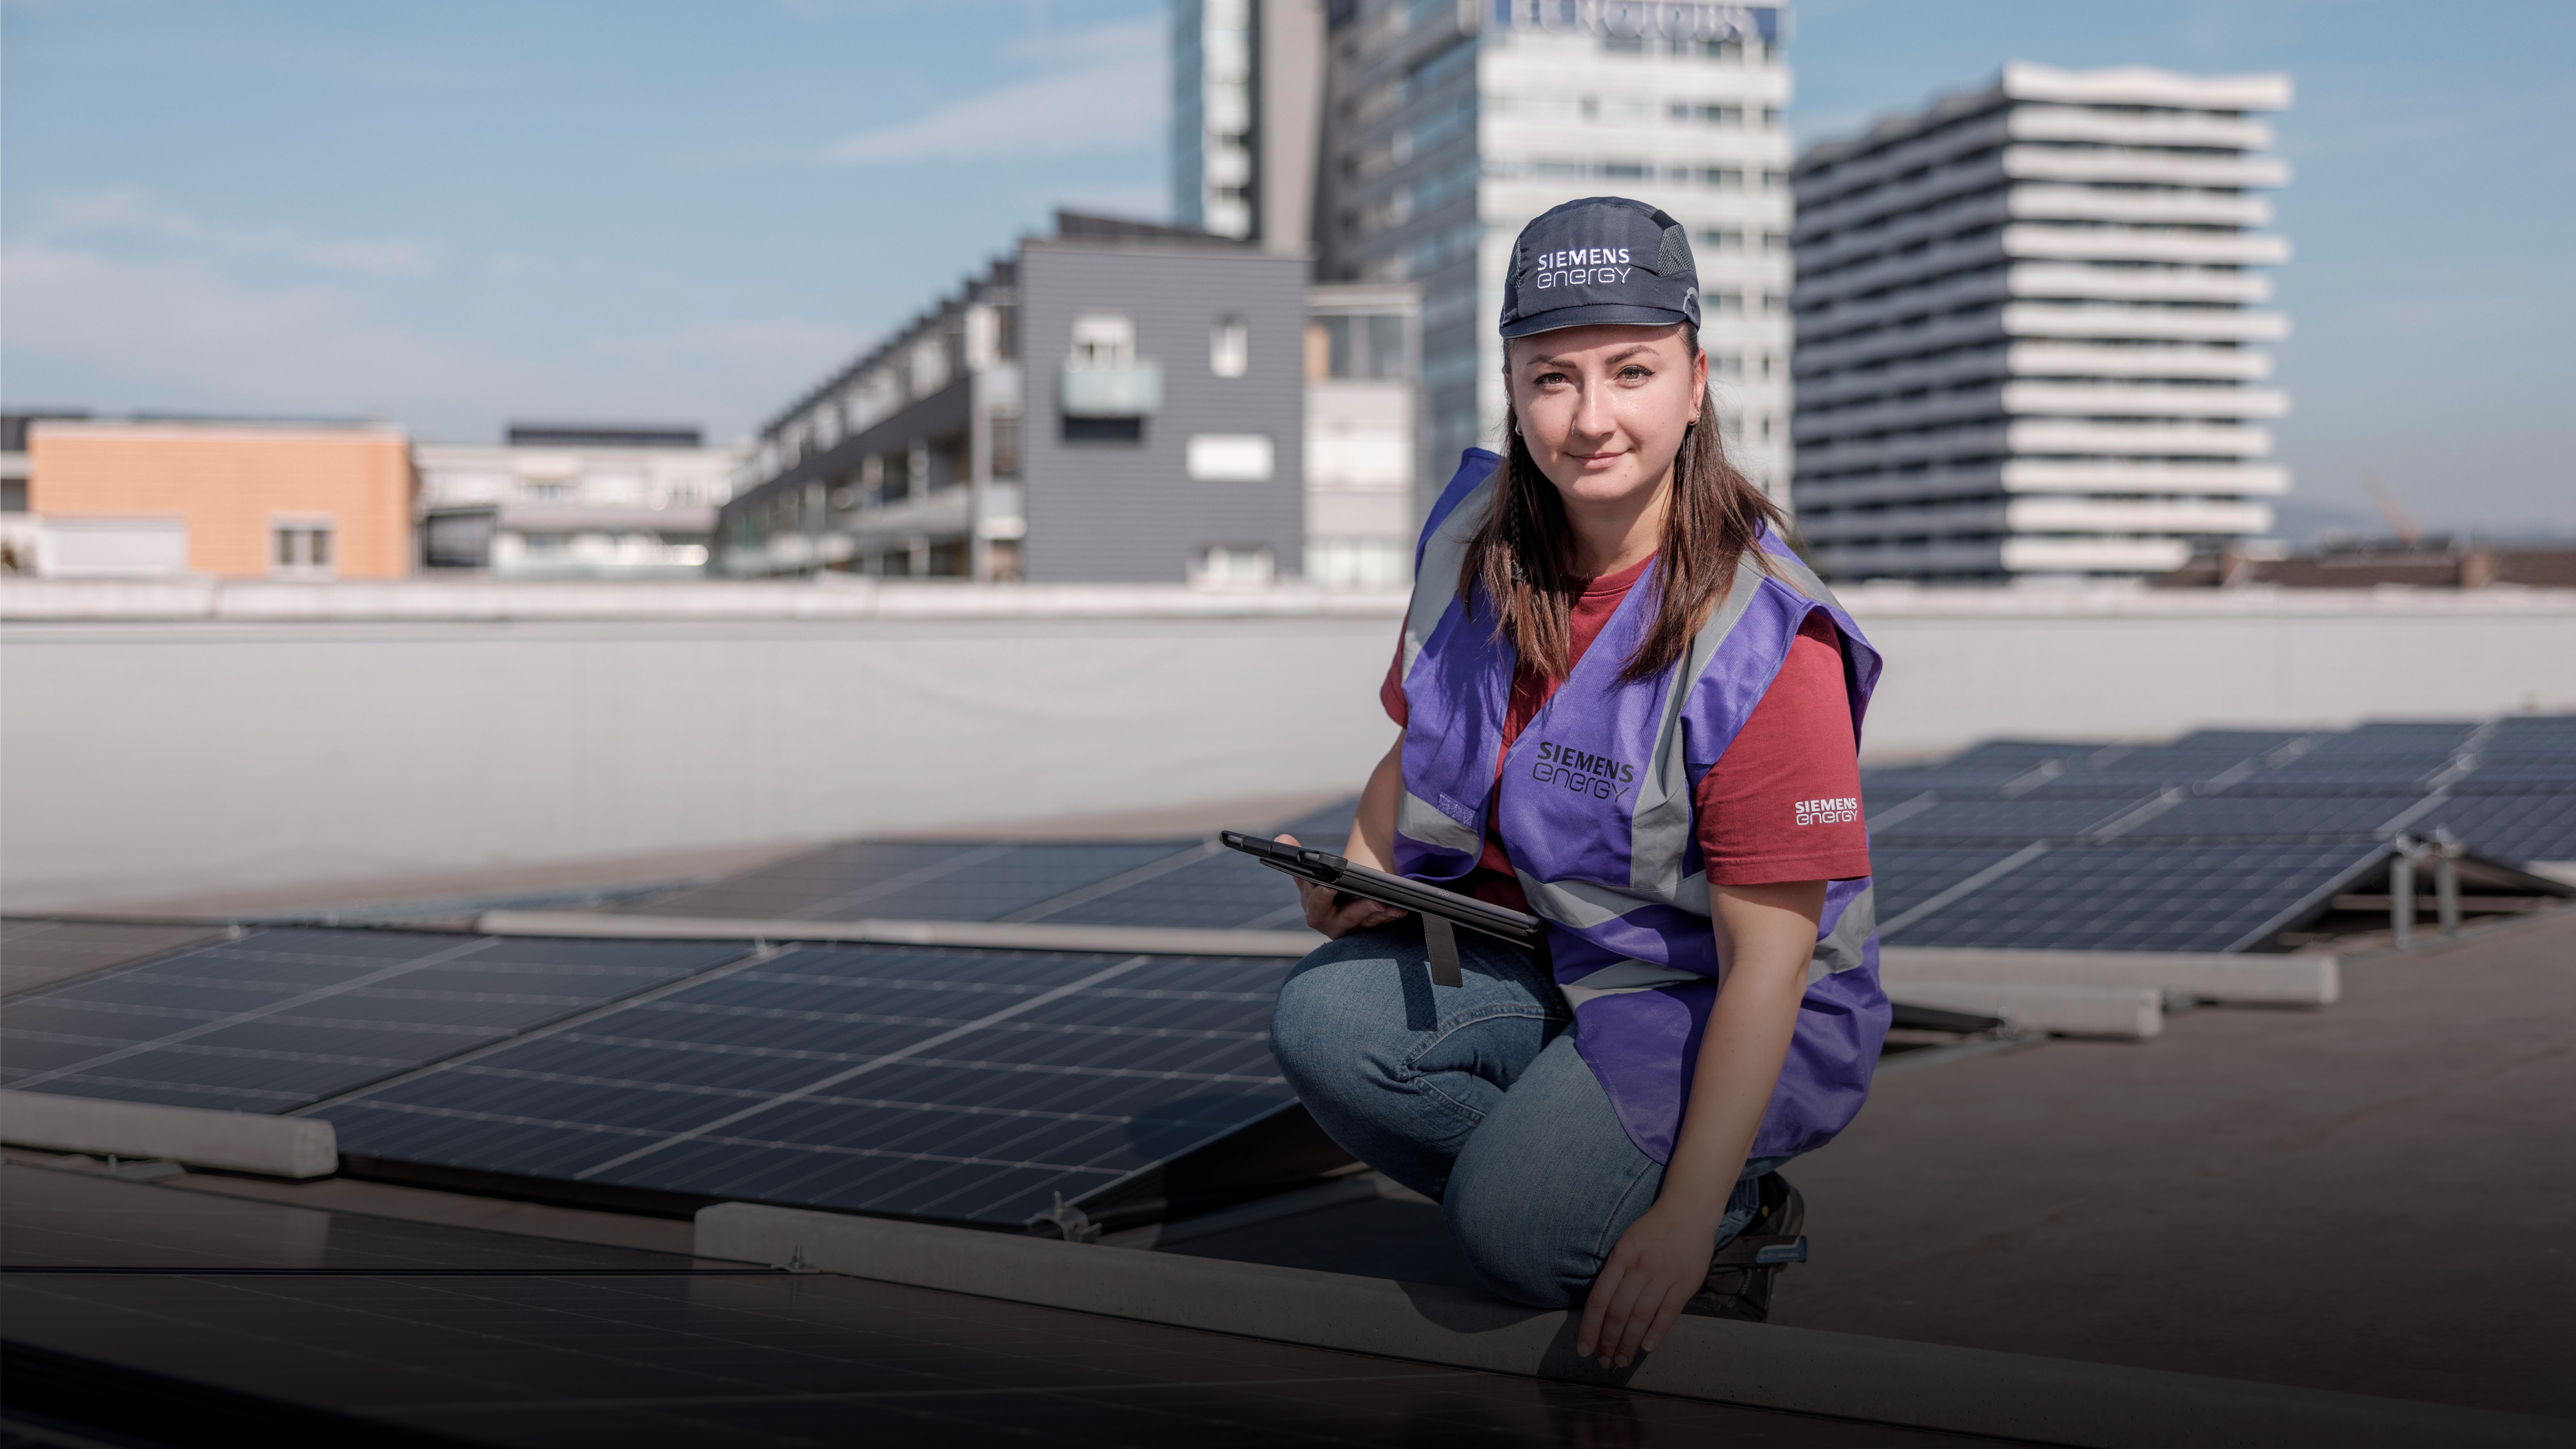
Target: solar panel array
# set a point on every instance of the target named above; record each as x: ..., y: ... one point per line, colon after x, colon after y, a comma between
x: 280, y: 1018
x: 2211, y: 842
x: 964, y: 1085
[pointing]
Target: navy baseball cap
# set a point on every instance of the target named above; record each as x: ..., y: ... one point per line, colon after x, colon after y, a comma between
x: 1604, y: 259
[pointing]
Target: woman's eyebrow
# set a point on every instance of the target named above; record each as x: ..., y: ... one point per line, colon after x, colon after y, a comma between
x: 1622, y: 355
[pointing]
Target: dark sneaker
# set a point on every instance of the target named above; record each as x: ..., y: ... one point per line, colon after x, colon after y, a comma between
x: 1740, y: 1276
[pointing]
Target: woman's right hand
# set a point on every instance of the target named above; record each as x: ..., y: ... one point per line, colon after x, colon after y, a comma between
x: 1336, y: 921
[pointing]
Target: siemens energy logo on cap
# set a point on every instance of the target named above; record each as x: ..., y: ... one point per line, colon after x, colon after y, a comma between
x: 1595, y: 266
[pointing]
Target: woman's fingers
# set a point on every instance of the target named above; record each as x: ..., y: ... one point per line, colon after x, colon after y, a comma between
x: 1596, y: 1308
x: 1676, y: 1296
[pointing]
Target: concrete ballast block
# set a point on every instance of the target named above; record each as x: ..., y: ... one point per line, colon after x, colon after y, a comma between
x: 2291, y: 980
x: 2127, y: 1012
x: 240, y: 1141
x: 1849, y: 1376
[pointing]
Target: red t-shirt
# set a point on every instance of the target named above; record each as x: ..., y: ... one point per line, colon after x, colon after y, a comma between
x: 1782, y: 804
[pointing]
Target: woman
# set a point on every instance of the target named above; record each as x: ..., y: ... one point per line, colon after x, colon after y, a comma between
x: 1628, y: 709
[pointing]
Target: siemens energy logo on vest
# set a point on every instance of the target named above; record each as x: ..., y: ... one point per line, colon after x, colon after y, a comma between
x: 1840, y: 810
x: 1602, y: 265
x: 1582, y: 772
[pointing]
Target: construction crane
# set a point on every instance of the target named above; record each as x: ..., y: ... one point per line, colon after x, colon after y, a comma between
x: 2409, y: 532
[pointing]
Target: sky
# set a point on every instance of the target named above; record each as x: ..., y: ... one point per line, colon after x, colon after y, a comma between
x: 455, y: 214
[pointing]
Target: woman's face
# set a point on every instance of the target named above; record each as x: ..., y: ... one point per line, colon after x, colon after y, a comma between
x: 1603, y: 409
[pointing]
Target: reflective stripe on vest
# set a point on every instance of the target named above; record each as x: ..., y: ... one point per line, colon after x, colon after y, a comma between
x: 1596, y: 812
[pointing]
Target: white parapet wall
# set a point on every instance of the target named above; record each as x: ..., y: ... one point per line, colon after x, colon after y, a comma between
x: 236, y: 1141
x: 176, y: 739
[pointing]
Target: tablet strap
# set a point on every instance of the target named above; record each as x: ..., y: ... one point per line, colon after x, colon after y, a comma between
x: 1442, y: 938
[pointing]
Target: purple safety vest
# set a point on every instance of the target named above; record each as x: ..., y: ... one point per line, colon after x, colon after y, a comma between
x: 1595, y: 805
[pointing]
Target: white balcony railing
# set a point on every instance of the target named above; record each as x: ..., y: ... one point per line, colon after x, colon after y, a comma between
x: 1134, y: 391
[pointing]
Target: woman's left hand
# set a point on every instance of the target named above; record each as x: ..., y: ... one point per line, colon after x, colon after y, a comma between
x: 1659, y: 1263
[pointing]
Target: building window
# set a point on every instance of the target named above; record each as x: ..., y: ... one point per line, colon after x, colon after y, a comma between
x: 301, y: 548
x: 1104, y: 341
x: 1221, y: 565
x: 1230, y: 347
x: 1005, y: 441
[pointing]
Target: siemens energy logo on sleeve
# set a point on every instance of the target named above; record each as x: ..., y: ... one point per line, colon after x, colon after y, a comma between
x: 1582, y: 772
x: 1840, y: 810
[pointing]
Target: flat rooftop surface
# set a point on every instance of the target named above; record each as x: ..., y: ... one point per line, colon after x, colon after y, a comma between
x: 2378, y: 1197
x: 186, y: 1317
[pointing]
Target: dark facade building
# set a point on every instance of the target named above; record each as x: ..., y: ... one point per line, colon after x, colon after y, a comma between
x: 1117, y: 402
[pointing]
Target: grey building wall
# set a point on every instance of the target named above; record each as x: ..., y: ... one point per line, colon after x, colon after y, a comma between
x: 1127, y: 511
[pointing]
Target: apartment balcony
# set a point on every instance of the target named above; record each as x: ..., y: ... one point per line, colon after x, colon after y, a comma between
x: 2094, y: 555
x: 2178, y: 360
x: 2054, y: 163
x: 2133, y: 128
x: 1134, y: 391
x: 2137, y: 439
x: 2143, y: 400
x: 2039, y: 201
x: 2135, y: 284
x: 2154, y: 324
x: 2136, y: 515
x: 2137, y: 475
x: 2039, y: 241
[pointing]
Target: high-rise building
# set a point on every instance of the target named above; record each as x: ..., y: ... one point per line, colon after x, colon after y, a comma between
x: 2030, y: 328
x: 1247, y: 76
x: 1448, y: 124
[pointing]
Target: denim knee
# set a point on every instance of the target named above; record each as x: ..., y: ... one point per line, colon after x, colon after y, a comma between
x: 1327, y: 1013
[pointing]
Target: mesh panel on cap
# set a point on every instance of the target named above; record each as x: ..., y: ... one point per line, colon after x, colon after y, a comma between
x: 1675, y: 254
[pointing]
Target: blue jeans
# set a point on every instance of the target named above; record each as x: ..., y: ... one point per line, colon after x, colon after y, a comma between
x: 1474, y: 1096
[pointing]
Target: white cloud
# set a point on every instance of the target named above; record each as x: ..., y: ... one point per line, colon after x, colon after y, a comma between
x: 177, y: 333
x: 1105, y: 91
x: 124, y: 211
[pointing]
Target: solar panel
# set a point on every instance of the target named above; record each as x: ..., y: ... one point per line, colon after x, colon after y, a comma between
x: 2244, y: 743
x: 963, y: 1085
x: 2493, y: 775
x: 2123, y: 897
x: 1217, y: 889
x: 2285, y: 818
x: 35, y: 954
x: 2021, y: 753
x: 2029, y: 817
x: 1329, y: 826
x: 1907, y: 876
x: 280, y: 1018
x: 914, y: 880
x: 2524, y: 827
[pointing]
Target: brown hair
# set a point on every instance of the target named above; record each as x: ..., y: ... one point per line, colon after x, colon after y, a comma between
x: 1522, y: 556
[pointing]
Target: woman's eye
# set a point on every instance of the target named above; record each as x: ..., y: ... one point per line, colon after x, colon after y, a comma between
x: 1634, y: 373
x: 1548, y: 379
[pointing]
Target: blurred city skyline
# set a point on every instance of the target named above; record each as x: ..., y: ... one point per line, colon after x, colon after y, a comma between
x: 448, y: 217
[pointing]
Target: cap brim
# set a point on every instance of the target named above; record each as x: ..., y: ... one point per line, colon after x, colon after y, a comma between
x: 1599, y: 314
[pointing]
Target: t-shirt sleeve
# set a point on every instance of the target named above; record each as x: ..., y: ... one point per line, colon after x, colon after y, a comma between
x: 1391, y: 693
x: 1783, y: 802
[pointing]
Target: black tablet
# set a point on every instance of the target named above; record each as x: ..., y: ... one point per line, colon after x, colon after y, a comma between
x: 1327, y: 869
